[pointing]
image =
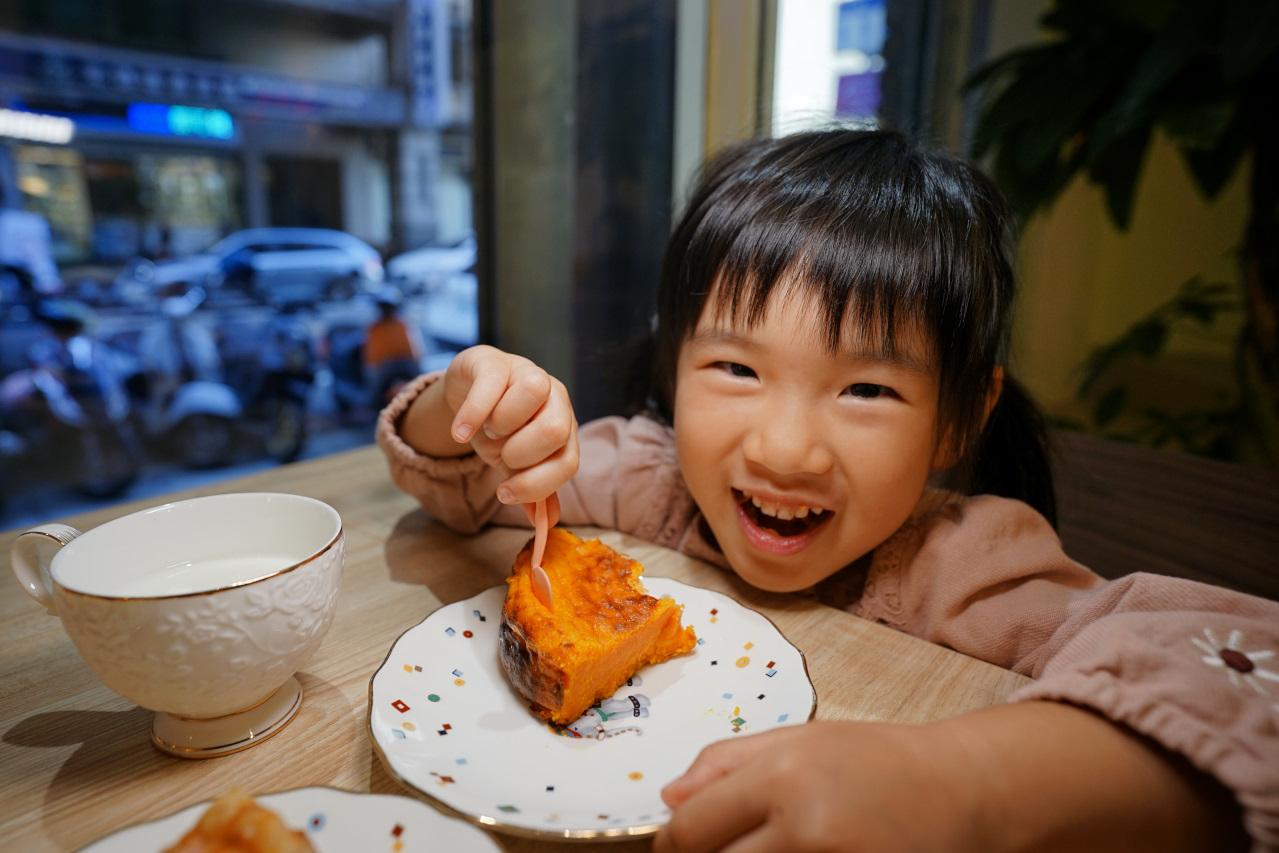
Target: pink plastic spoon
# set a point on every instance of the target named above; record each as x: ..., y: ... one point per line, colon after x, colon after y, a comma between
x: 541, y: 583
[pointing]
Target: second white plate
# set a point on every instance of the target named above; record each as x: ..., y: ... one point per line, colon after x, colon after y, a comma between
x: 446, y: 721
x: 334, y: 822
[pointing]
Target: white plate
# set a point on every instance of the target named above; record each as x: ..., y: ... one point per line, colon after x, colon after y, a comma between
x: 447, y: 722
x: 334, y: 821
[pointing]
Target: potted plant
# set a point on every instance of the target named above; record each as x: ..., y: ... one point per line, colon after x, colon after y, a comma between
x: 1089, y: 99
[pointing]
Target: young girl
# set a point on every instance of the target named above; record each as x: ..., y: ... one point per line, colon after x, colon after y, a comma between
x: 830, y: 413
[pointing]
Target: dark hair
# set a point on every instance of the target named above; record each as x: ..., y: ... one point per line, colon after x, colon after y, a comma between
x: 877, y: 231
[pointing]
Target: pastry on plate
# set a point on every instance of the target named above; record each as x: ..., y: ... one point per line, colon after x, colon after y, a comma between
x: 235, y: 823
x: 601, y: 628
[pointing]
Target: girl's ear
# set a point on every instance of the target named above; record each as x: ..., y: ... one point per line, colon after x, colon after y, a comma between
x: 948, y: 454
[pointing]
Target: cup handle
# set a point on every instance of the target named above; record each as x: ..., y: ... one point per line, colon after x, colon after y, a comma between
x: 31, y: 554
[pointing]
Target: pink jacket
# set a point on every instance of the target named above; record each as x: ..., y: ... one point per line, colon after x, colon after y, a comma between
x: 1189, y: 665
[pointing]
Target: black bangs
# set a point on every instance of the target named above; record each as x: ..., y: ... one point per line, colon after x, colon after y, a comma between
x: 847, y: 268
x: 886, y: 236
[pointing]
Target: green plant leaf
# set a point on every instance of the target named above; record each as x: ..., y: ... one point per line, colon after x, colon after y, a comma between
x: 1249, y: 39
x: 1196, y: 299
x: 1197, y: 125
x: 1100, y: 360
x: 1175, y: 45
x: 1148, y: 336
x: 1201, y: 300
x: 1213, y: 167
x: 1149, y: 15
x: 1069, y: 17
x: 1198, y: 310
x: 1027, y: 191
x: 1068, y: 423
x: 1005, y: 64
x: 1019, y: 93
x: 1110, y: 405
x: 1197, y: 285
x: 1117, y: 168
x: 1093, y: 368
x: 1086, y: 89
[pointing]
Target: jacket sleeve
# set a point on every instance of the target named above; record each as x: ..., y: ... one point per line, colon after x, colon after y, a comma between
x: 628, y: 478
x: 1189, y: 665
x: 459, y: 491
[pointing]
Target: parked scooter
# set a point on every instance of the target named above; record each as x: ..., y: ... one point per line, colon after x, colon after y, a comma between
x: 66, y: 417
x: 344, y: 349
x: 209, y: 406
x: 273, y: 378
x: 188, y: 403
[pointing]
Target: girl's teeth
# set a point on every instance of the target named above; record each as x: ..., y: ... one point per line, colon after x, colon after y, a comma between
x: 772, y: 510
x: 768, y: 509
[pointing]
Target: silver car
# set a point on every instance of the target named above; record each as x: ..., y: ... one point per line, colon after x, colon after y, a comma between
x: 272, y: 266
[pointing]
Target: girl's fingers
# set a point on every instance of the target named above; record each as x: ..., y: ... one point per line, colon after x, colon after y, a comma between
x: 541, y: 480
x: 723, y: 814
x: 715, y: 762
x: 532, y: 483
x: 503, y: 396
x: 553, y: 429
x: 481, y: 380
x: 528, y: 391
x: 518, y: 419
x: 494, y: 460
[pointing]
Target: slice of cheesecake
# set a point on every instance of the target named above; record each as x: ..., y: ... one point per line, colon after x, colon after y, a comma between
x: 601, y: 629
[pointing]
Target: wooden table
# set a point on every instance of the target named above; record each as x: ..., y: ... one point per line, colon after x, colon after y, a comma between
x: 75, y: 759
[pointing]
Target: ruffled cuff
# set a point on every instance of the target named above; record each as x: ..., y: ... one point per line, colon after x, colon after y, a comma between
x: 398, y: 451
x: 460, y: 491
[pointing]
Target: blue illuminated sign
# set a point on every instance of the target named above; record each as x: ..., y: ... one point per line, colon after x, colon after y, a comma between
x: 168, y: 120
x: 862, y: 25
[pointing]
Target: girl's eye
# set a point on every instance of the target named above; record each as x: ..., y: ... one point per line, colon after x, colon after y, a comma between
x: 868, y: 391
x: 736, y: 369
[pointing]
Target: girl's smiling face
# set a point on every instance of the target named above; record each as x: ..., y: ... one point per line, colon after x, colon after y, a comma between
x: 802, y: 460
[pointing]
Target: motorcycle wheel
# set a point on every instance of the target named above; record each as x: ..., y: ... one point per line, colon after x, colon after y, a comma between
x: 109, y: 462
x: 288, y: 430
x: 204, y: 441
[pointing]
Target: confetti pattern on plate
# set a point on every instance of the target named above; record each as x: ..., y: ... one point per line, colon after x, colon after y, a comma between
x: 448, y: 723
x: 334, y: 821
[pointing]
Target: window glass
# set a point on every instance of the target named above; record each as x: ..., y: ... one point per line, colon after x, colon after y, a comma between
x: 829, y: 62
x: 204, y: 214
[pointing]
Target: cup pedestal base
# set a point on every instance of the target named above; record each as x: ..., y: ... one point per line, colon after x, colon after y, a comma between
x: 190, y: 738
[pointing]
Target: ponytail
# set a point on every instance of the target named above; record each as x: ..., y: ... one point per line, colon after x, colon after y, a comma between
x: 1012, y: 458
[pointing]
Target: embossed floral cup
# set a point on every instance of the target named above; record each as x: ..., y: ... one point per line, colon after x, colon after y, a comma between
x: 200, y: 610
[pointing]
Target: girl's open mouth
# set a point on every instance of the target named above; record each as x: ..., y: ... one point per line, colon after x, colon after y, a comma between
x: 782, y: 521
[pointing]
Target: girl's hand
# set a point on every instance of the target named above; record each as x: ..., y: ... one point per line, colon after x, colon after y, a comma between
x: 818, y: 786
x: 512, y: 413
x: 1042, y: 776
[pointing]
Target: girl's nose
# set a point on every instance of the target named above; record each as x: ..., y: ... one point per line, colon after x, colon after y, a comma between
x: 787, y: 442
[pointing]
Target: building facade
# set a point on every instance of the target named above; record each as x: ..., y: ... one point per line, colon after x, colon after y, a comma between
x: 190, y: 120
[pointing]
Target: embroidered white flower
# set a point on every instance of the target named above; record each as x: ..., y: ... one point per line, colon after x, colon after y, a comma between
x: 1241, y: 667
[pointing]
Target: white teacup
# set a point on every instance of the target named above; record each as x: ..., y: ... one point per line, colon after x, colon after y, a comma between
x: 200, y: 610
